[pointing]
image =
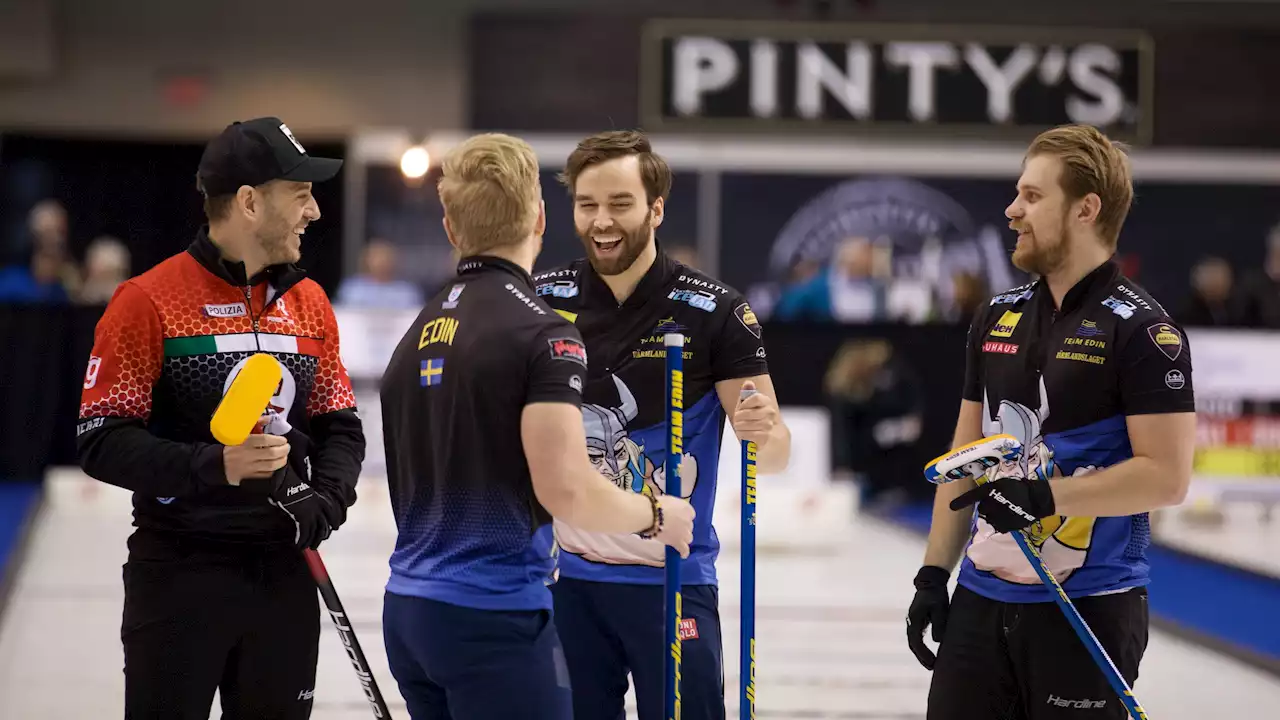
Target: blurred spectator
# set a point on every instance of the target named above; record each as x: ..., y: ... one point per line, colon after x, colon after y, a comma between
x: 47, y: 224
x: 47, y: 273
x: 106, y: 265
x: 804, y: 271
x: 970, y: 292
x: 1213, y: 300
x: 1261, y: 292
x: 36, y: 281
x: 911, y: 298
x: 49, y: 238
x: 378, y: 286
x: 848, y: 290
x: 876, y: 414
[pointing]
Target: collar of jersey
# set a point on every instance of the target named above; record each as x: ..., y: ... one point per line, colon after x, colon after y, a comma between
x: 595, y: 291
x: 282, y: 277
x: 477, y: 263
x: 1094, y: 283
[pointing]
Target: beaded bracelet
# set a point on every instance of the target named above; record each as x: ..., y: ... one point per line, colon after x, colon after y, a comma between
x: 658, y: 518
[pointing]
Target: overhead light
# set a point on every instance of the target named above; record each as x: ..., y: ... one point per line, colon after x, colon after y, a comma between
x: 415, y: 162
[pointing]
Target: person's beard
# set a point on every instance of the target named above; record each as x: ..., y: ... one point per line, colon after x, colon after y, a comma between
x: 1046, y: 252
x: 633, y: 243
x: 275, y: 237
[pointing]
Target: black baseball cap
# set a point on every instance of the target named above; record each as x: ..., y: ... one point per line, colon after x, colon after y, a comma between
x: 257, y: 151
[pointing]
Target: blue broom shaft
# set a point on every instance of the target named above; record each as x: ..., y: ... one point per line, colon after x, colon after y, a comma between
x: 674, y: 343
x: 1100, y: 657
x: 747, y: 651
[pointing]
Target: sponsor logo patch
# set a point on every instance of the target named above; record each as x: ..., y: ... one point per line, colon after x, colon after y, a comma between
x: 1008, y: 298
x: 289, y: 134
x: 700, y: 299
x: 1120, y: 307
x: 568, y: 349
x: 1005, y: 325
x: 452, y: 301
x: 560, y: 289
x: 1076, y: 704
x: 1167, y: 339
x: 228, y: 310
x: 747, y: 317
x: 1088, y: 328
x: 1175, y: 380
x: 1004, y: 348
x: 703, y: 284
x: 688, y: 628
x: 668, y: 325
x: 529, y: 303
x: 1081, y: 357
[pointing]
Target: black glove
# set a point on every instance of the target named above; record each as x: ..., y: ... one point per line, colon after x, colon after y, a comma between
x: 304, y: 506
x: 928, y: 607
x: 291, y: 489
x: 1010, y: 503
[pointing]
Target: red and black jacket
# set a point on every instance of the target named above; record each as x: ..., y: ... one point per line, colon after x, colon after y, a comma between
x: 164, y: 352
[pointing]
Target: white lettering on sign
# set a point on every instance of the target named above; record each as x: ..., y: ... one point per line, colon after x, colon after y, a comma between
x: 819, y: 76
x: 726, y: 73
x: 920, y: 59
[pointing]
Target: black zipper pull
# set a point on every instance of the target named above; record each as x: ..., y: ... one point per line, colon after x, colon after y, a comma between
x: 248, y: 299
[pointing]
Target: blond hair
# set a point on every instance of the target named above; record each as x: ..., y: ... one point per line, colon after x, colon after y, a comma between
x: 1091, y: 163
x: 490, y: 190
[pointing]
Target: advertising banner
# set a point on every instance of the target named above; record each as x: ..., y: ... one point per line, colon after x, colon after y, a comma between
x: 746, y: 76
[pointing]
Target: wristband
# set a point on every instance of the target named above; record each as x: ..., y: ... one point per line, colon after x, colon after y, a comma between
x: 657, y: 525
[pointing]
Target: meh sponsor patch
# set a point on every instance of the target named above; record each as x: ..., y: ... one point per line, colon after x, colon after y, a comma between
x: 1167, y: 339
x: 1005, y: 325
x: 568, y: 349
x: 688, y: 629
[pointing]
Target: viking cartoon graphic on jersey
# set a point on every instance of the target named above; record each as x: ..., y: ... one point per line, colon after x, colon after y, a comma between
x: 621, y: 459
x: 1063, y: 542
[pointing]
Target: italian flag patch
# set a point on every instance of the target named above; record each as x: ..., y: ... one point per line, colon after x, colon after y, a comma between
x: 243, y: 342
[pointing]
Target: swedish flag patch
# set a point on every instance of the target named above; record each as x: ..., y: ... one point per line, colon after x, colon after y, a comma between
x: 432, y: 372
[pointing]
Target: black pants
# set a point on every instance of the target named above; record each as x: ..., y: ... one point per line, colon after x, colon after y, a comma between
x: 1006, y: 661
x: 461, y: 663
x: 197, y: 617
x: 610, y: 629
